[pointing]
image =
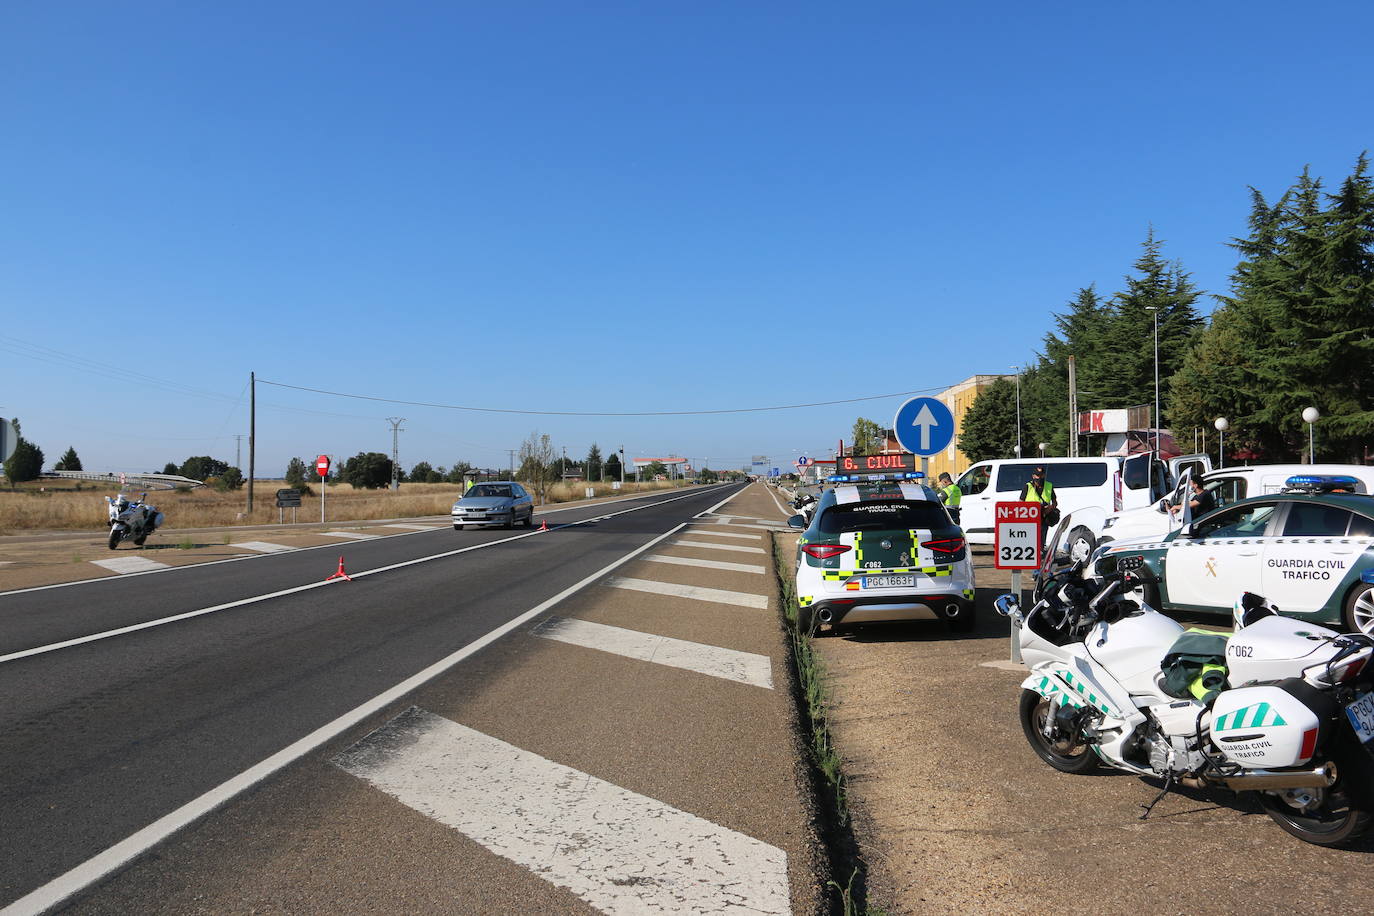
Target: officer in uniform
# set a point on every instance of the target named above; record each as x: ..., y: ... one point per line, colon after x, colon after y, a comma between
x: 950, y: 494
x: 1040, y: 490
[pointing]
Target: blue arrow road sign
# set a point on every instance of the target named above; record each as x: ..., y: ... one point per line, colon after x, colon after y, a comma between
x: 923, y: 426
x: 803, y: 461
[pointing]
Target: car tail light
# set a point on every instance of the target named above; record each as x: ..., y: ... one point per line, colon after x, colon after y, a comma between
x: 825, y: 551
x: 945, y: 545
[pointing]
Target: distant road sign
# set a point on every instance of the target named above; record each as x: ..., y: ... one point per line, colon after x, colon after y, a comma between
x: 923, y: 426
x: 803, y: 461
x: 322, y: 466
x: 288, y: 499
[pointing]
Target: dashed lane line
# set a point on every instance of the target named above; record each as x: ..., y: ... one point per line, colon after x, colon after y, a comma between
x: 351, y: 535
x: 737, y: 548
x: 262, y: 547
x: 707, y: 564
x: 713, y: 533
x: 730, y: 664
x: 694, y: 592
x: 125, y: 565
x: 619, y: 851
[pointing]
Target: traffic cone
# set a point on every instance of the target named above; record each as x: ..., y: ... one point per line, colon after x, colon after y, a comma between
x: 543, y: 524
x: 340, y: 574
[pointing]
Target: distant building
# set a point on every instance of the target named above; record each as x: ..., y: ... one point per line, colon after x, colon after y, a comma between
x: 958, y: 398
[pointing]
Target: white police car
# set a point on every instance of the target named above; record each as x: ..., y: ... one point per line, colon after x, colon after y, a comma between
x: 1309, y: 550
x: 882, y: 548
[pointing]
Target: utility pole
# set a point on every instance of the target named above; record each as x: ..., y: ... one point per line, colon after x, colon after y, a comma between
x: 252, y: 435
x: 396, y: 450
x: 238, y: 450
x: 1073, y: 407
x: 512, y: 462
x: 563, y: 475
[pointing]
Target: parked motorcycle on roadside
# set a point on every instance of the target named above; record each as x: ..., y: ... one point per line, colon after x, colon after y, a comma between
x: 1285, y: 709
x: 132, y: 520
x: 805, y: 504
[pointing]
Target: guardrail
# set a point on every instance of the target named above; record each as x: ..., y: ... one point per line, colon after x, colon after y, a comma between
x: 131, y: 481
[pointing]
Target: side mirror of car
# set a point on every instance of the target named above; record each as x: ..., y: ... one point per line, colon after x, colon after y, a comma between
x: 797, y: 521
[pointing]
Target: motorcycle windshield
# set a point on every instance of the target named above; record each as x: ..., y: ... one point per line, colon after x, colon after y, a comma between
x: 1052, y: 549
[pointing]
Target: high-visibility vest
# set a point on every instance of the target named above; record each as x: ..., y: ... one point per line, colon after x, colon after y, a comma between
x: 952, y: 495
x: 1046, y: 495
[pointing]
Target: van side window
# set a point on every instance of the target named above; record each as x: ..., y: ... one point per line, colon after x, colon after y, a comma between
x: 1064, y: 476
x: 975, y: 480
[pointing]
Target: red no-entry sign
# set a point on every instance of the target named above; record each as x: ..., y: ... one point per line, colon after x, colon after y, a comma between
x: 322, y: 466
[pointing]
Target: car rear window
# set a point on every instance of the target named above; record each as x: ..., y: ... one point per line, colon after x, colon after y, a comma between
x: 888, y: 515
x: 1013, y: 477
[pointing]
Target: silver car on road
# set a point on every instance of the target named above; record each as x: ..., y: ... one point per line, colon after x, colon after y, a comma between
x: 499, y: 502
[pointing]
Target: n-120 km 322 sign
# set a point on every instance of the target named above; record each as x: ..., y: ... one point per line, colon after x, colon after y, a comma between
x: 1016, y: 535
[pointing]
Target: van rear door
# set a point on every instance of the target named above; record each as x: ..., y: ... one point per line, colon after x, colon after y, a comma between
x: 1199, y: 464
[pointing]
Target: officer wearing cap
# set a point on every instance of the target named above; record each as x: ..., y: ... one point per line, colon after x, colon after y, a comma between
x: 1040, y: 490
x: 950, y: 495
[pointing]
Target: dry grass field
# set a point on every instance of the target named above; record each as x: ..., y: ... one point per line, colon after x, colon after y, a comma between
x: 42, y: 507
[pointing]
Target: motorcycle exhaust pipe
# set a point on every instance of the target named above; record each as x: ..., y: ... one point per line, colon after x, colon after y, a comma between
x: 825, y: 615
x: 1266, y: 780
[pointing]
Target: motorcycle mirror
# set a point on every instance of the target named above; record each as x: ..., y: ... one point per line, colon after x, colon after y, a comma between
x: 1006, y: 605
x: 796, y: 521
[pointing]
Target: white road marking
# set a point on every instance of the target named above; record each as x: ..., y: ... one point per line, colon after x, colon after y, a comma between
x: 694, y: 592
x: 707, y: 564
x: 764, y: 527
x: 417, y: 527
x: 730, y: 664
x: 621, y: 852
x: 715, y: 533
x: 125, y: 851
x: 262, y: 547
x: 351, y: 535
x: 737, y: 548
x: 123, y: 565
x: 785, y: 513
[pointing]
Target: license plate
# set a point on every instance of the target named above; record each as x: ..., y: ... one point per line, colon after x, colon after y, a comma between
x: 1361, y: 715
x: 889, y: 581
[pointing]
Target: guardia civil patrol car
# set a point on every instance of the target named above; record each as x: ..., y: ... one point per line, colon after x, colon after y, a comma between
x: 882, y: 548
x: 1309, y: 550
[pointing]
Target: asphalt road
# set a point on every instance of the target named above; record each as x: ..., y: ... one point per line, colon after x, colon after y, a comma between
x: 99, y: 739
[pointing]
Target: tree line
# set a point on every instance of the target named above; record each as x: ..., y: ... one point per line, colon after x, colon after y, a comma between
x: 1295, y: 330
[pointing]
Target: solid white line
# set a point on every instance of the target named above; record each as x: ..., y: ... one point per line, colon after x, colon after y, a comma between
x: 621, y: 852
x: 125, y: 851
x: 785, y: 513
x: 121, y: 631
x: 351, y: 535
x: 730, y: 664
x: 737, y: 548
x: 262, y: 547
x: 707, y: 564
x: 713, y: 532
x: 694, y: 592
x: 419, y: 529
x: 123, y: 565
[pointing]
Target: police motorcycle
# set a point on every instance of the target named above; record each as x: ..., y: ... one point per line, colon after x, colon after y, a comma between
x: 805, y: 504
x: 1285, y: 710
x: 132, y: 520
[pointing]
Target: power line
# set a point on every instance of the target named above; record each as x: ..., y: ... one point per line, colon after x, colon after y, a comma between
x: 602, y: 413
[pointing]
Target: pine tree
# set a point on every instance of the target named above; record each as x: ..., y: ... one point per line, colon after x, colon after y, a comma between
x: 26, y: 462
x: 594, y: 463
x: 867, y: 436
x: 989, y: 426
x: 613, y: 466
x: 69, y: 461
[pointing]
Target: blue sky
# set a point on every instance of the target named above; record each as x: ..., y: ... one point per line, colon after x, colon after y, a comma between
x: 607, y: 207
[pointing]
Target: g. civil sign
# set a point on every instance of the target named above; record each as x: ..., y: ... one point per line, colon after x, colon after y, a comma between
x: 923, y: 426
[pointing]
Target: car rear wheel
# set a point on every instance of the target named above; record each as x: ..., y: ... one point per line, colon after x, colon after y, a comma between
x: 457, y: 527
x: 529, y: 518
x: 1359, y: 610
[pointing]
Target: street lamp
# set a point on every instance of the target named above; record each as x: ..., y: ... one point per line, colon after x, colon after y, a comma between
x: 1310, y: 416
x: 1154, y: 311
x: 1221, y: 425
x: 1043, y: 446
x: 1018, y: 410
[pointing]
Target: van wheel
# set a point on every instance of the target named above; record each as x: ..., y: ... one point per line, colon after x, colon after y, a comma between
x: 1081, y: 544
x: 1359, y: 610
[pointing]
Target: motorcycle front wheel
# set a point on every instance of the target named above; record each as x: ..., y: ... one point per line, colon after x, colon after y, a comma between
x: 1068, y: 754
x: 114, y: 539
x: 1332, y: 820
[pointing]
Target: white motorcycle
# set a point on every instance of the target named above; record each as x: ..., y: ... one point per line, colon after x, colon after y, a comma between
x: 132, y: 520
x: 1289, y: 715
x: 805, y: 504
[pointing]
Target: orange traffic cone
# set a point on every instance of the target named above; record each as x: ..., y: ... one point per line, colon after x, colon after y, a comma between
x: 340, y: 574
x: 543, y: 524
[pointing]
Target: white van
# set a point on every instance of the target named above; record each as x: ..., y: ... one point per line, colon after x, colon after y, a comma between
x: 1226, y: 485
x: 1090, y: 488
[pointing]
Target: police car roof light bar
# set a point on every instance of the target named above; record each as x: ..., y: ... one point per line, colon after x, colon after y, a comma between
x: 862, y: 478
x: 1320, y: 483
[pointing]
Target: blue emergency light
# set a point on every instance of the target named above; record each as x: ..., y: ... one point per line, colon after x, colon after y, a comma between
x: 1321, y: 483
x: 862, y: 478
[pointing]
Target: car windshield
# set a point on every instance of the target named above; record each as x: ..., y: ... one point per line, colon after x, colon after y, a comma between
x: 490, y: 489
x: 889, y: 515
